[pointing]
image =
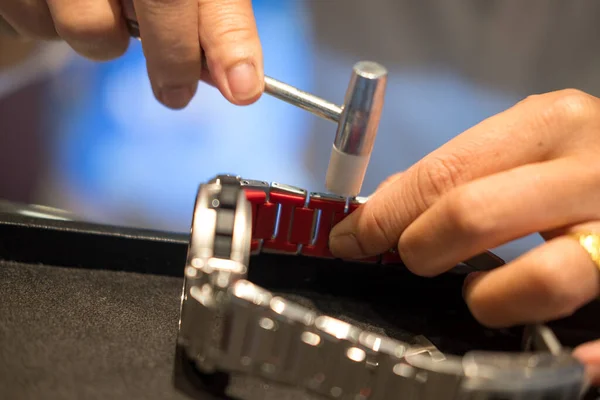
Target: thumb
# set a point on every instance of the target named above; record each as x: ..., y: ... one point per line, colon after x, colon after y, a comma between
x: 232, y: 48
x: 375, y: 226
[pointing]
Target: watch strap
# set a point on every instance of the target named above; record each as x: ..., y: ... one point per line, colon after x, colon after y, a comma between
x: 291, y: 220
x: 230, y: 325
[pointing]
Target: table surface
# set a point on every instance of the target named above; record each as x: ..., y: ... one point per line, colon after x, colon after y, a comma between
x: 69, y: 333
x: 102, y: 322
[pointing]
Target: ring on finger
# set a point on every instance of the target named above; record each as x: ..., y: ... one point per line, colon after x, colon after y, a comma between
x: 590, y: 242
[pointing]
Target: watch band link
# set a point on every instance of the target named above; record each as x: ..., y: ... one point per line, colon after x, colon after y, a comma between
x: 290, y: 220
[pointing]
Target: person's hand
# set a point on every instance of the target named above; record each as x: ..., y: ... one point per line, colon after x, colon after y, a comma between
x: 533, y: 168
x: 174, y: 34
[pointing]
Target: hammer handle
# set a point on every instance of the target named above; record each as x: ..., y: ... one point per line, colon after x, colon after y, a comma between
x: 304, y: 100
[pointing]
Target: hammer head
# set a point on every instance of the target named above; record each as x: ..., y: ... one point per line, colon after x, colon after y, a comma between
x: 357, y: 129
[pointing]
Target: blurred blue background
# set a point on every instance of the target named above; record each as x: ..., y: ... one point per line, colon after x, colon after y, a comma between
x: 122, y: 157
x: 92, y: 139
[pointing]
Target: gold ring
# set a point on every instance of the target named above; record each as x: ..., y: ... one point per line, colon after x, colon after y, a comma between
x: 591, y: 243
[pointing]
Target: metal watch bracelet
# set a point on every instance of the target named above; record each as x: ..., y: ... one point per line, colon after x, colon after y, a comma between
x: 230, y: 325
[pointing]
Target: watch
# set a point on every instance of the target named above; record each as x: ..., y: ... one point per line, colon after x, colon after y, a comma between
x: 228, y: 325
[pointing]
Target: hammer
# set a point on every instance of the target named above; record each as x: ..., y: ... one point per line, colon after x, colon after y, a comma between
x: 358, y: 119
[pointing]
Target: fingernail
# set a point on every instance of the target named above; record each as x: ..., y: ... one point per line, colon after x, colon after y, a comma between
x: 468, y: 280
x: 243, y: 81
x: 177, y: 97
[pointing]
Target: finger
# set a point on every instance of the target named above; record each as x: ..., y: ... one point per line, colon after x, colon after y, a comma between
x: 93, y: 28
x: 589, y: 354
x: 532, y: 131
x: 30, y: 18
x: 389, y: 181
x: 230, y: 40
x: 549, y: 282
x: 492, y: 211
x: 169, y: 33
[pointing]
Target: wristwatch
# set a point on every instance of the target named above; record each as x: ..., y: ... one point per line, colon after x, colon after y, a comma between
x: 228, y: 325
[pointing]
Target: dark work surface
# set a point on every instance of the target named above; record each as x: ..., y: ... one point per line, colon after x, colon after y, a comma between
x: 71, y: 329
x: 75, y: 333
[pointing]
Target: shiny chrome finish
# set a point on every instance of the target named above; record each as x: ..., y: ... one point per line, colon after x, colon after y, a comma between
x: 362, y: 109
x: 280, y: 187
x: 306, y: 101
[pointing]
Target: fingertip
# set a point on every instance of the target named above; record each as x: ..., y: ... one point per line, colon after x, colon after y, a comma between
x: 589, y: 355
x: 343, y: 242
x: 345, y: 246
x: 485, y: 307
x: 176, y: 97
x: 588, y: 352
x: 467, y: 283
x: 229, y: 36
x: 244, y: 83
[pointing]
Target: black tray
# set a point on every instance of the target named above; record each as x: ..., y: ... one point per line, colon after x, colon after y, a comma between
x: 90, y: 311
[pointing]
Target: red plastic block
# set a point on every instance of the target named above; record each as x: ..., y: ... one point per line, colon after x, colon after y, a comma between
x: 288, y: 202
x: 331, y: 211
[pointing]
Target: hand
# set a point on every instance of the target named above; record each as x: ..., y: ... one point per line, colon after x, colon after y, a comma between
x: 172, y: 33
x: 533, y: 168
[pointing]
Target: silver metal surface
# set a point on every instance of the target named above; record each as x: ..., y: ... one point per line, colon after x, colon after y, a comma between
x: 362, y: 109
x: 304, y: 100
x: 232, y: 325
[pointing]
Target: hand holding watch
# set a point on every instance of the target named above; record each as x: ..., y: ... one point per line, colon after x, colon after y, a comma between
x: 232, y: 326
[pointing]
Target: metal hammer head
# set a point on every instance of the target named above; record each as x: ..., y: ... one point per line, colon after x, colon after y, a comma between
x: 357, y: 129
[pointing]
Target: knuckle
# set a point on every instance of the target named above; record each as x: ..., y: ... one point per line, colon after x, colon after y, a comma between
x: 481, y: 313
x: 532, y: 98
x: 231, y: 31
x: 465, y: 210
x: 551, y: 283
x: 571, y: 106
x: 437, y: 175
x: 374, y: 229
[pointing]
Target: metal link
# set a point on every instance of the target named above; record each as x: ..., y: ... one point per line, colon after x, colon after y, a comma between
x: 293, y: 321
x: 240, y: 318
x: 288, y: 199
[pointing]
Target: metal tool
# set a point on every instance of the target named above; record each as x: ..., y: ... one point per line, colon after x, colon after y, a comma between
x: 357, y: 119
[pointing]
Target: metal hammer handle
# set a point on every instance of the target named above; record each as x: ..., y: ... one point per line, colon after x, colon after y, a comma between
x: 304, y: 100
